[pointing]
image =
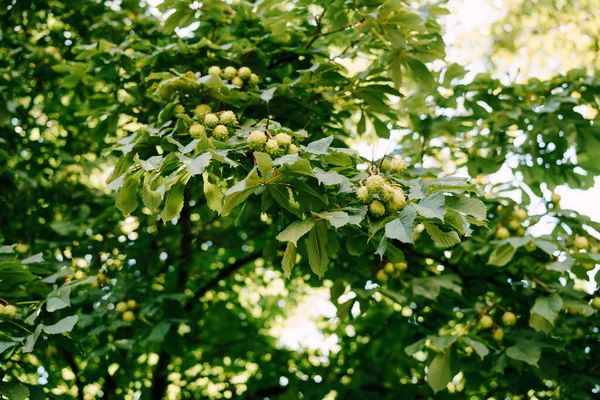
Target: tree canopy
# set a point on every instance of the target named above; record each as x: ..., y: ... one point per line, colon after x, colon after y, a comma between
x: 179, y: 182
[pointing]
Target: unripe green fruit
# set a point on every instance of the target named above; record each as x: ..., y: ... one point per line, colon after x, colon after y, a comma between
x: 581, y: 242
x: 387, y: 193
x: 398, y: 165
x: 283, y: 139
x: 128, y: 316
x: 228, y: 118
x: 596, y: 302
x: 389, y: 268
x: 509, y: 319
x: 2, y: 310
x: 486, y: 322
x: 381, y: 276
x: 237, y: 81
x: 131, y: 303
x: 520, y: 215
x: 221, y: 132
x: 244, y: 72
x: 375, y: 183
x: 254, y: 79
x: 10, y: 311
x: 179, y: 109
x: 398, y: 201
x: 502, y: 233
x: 197, y: 131
x: 498, y: 335
x: 257, y: 139
x: 363, y: 195
x: 272, y: 146
x: 514, y: 224
x: 201, y: 110
x: 229, y: 72
x: 555, y: 198
x: 386, y: 165
x: 121, y: 307
x: 211, y: 120
x: 214, y: 70
x: 401, y: 266
x: 293, y: 149
x: 377, y: 209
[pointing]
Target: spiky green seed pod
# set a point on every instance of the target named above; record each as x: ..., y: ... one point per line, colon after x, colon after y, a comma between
x: 221, y: 132
x: 386, y: 165
x: 229, y: 72
x: 377, y: 209
x: 513, y: 224
x: 498, y: 335
x: 211, y: 120
x: 201, y: 110
x: 486, y: 322
x: 257, y: 139
x: 121, y: 307
x: 293, y: 149
x: 502, y: 233
x: 387, y: 193
x: 272, y: 146
x: 398, y: 165
x: 197, y: 131
x: 520, y: 214
x: 283, y: 139
x: 363, y: 195
x: 375, y: 183
x: 398, y: 201
x: 179, y: 109
x: 214, y: 70
x: 237, y: 81
x: 254, y: 79
x: 244, y: 73
x: 228, y: 118
x: 509, y: 319
x: 10, y: 311
x: 128, y: 316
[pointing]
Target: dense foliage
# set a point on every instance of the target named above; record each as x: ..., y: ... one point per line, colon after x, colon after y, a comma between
x: 170, y: 200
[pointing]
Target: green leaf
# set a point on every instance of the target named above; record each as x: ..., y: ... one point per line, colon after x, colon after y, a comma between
x: 31, y: 339
x: 474, y: 207
x: 525, y: 350
x: 295, y: 231
x: 240, y: 192
x: 329, y: 178
x: 320, y: 146
x: 289, y: 259
x: 402, y: 228
x: 316, y: 247
x: 415, y: 347
x: 267, y: 95
x: 561, y: 266
x: 441, y: 238
x: 432, y: 206
x: 441, y: 370
x: 480, y: 348
x: 5, y: 346
x: 14, y: 390
x: 59, y: 299
x: 502, y: 255
x: 35, y: 259
x: 195, y: 166
x: 213, y: 193
x: 337, y: 219
x: 174, y: 201
x: 63, y: 326
x: 263, y: 162
x: 548, y: 307
x: 127, y: 198
x: 159, y: 331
